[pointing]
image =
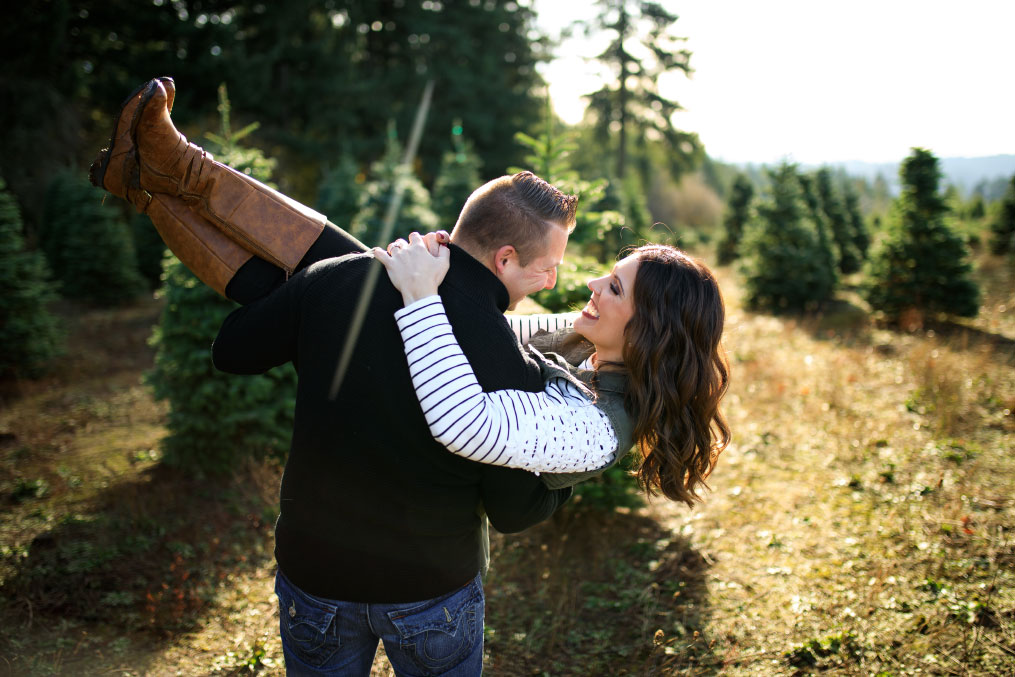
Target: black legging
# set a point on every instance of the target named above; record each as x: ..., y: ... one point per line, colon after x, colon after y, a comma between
x: 257, y: 278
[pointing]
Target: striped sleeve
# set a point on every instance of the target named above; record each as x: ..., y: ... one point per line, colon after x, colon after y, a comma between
x: 525, y: 326
x: 557, y: 430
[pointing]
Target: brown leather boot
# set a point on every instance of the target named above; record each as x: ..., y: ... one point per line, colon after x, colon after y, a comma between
x: 116, y: 169
x: 264, y: 221
x: 197, y: 242
x: 170, y: 87
x: 202, y: 247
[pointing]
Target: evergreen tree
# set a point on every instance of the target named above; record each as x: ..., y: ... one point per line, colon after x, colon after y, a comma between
x: 975, y: 208
x: 388, y: 175
x: 338, y: 194
x: 1003, y: 228
x: 922, y: 265
x: 810, y: 195
x: 738, y: 214
x: 215, y: 419
x: 599, y: 222
x: 637, y: 218
x: 632, y: 104
x: 785, y: 265
x: 30, y: 335
x: 457, y: 177
x: 857, y: 227
x: 88, y: 244
x: 848, y: 259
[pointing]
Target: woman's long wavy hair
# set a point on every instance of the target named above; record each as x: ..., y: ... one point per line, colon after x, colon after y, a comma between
x: 678, y: 371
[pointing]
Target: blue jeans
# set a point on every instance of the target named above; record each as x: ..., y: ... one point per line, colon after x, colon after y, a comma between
x: 440, y: 636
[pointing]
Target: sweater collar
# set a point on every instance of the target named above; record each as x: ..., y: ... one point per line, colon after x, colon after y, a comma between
x: 475, y: 280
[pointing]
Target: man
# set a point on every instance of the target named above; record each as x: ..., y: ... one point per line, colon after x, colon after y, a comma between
x: 382, y: 531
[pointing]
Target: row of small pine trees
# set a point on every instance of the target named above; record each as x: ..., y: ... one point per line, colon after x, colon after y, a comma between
x: 798, y: 244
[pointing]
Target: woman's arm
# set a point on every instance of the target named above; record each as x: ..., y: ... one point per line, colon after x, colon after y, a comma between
x: 558, y: 430
x: 525, y: 326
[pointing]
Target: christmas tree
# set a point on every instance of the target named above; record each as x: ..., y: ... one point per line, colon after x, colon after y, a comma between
x: 215, y: 419
x: 88, y: 244
x: 923, y: 265
x: 1003, y: 227
x: 738, y: 214
x: 786, y: 263
x: 389, y: 178
x: 30, y: 335
x: 457, y: 178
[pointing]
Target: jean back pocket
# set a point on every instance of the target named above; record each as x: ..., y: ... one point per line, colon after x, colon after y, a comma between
x: 309, y: 628
x: 440, y: 633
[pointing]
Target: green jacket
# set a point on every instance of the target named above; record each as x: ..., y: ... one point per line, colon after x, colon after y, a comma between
x: 561, y: 352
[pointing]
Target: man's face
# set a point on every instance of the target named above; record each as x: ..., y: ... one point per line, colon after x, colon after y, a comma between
x: 541, y: 273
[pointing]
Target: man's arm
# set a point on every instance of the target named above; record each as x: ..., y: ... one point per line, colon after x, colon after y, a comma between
x: 516, y: 500
x: 263, y: 334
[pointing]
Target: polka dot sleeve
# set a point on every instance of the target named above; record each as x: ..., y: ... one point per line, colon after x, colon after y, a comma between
x: 557, y: 430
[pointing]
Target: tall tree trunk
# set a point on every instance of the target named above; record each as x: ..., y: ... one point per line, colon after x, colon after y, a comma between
x: 622, y: 146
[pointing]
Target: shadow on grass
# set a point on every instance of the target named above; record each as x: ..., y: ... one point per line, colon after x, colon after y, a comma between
x: 846, y: 319
x: 148, y: 554
x: 595, y: 593
x: 963, y: 337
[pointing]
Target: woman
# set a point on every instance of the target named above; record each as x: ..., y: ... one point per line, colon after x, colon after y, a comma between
x: 647, y: 342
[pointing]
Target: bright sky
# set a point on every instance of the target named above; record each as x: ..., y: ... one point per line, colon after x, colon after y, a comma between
x: 817, y: 81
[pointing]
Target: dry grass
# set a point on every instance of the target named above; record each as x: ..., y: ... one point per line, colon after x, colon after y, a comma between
x: 861, y: 523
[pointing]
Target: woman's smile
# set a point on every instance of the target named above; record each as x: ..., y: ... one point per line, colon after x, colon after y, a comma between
x: 607, y: 313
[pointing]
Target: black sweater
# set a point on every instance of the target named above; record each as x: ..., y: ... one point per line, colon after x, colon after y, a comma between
x: 372, y: 508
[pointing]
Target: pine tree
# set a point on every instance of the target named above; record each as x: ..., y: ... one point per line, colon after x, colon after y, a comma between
x: 857, y: 227
x: 786, y: 265
x: 738, y: 214
x: 599, y: 223
x: 922, y: 266
x: 976, y: 209
x: 848, y: 259
x: 88, y: 244
x: 810, y: 195
x: 387, y: 175
x: 30, y: 335
x: 457, y: 177
x: 631, y: 106
x: 215, y: 419
x: 338, y: 193
x: 1003, y: 227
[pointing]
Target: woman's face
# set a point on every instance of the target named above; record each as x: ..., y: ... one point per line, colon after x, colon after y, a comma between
x: 603, y: 319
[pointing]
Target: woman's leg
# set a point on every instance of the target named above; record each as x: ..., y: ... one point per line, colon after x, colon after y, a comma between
x: 258, y: 217
x: 199, y: 245
x: 257, y: 277
x: 285, y: 239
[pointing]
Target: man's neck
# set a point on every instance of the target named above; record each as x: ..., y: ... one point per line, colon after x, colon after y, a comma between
x: 485, y: 257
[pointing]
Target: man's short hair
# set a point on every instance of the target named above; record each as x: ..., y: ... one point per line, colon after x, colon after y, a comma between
x: 514, y: 210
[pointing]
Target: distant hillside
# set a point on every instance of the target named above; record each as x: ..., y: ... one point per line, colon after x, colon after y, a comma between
x: 964, y: 173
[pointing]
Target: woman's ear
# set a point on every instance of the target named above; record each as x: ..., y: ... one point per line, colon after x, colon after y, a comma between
x: 503, y: 257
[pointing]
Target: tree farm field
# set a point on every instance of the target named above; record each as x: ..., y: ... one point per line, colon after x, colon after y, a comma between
x: 862, y: 521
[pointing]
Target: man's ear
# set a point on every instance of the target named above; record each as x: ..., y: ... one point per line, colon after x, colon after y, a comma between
x: 504, y: 257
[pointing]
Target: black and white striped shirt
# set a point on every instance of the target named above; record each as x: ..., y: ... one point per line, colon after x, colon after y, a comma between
x: 558, y: 430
